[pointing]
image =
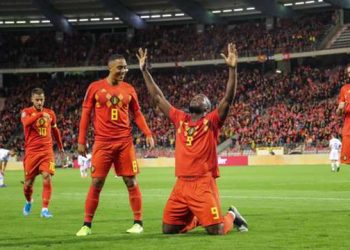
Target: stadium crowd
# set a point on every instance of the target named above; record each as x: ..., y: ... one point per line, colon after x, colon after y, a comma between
x: 167, y: 43
x: 270, y: 109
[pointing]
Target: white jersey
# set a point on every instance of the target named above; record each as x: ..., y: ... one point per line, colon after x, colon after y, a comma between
x: 4, y: 154
x: 335, y: 146
x: 84, y: 162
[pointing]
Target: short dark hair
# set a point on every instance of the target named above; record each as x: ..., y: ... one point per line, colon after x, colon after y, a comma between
x: 115, y: 57
x: 37, y: 91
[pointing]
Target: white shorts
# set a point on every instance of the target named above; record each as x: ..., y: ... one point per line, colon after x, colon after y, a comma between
x: 334, y: 155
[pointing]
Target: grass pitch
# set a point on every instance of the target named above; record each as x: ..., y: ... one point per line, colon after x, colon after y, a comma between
x: 291, y: 207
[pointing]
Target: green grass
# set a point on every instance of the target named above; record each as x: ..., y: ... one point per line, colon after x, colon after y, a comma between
x: 294, y: 207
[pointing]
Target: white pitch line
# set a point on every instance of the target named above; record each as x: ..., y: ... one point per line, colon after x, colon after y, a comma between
x: 83, y: 195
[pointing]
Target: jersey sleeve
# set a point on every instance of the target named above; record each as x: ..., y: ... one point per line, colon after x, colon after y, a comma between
x: 176, y: 115
x: 89, y: 99
x: 54, y: 119
x: 134, y: 105
x: 341, y: 97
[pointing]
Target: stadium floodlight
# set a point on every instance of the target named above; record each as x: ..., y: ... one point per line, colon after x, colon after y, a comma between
x: 227, y: 11
x: 251, y: 8
x: 34, y: 21
x: 1, y: 22
x: 167, y: 15
x: 83, y: 20
x: 299, y: 3
x: 95, y: 19
x: 72, y: 20
x: 145, y: 16
x: 308, y: 2
x: 320, y: 1
x: 21, y: 22
x: 9, y: 22
x: 155, y: 16
x: 45, y: 21
x: 237, y: 10
x: 116, y: 18
x: 107, y: 18
x: 216, y: 11
x: 278, y: 71
x: 179, y: 14
x: 288, y: 4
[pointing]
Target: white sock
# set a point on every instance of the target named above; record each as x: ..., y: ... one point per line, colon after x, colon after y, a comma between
x: 1, y: 179
x: 337, y: 164
x: 44, y: 209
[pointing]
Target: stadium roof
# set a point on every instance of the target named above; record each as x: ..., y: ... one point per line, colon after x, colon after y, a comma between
x: 137, y: 13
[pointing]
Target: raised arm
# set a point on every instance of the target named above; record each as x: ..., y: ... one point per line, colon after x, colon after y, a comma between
x: 231, y: 61
x: 155, y: 92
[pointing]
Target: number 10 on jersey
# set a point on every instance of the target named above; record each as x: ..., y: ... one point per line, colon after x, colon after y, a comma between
x: 114, y: 114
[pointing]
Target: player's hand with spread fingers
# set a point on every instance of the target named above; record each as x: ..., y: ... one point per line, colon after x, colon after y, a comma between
x: 142, y: 57
x: 150, y: 142
x: 232, y: 56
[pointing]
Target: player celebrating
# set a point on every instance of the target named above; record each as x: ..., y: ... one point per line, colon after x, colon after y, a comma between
x: 334, y: 145
x: 4, y: 157
x: 344, y: 109
x: 195, y: 199
x: 112, y: 100
x: 38, y: 124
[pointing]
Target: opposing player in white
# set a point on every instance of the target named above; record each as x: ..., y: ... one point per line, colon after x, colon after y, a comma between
x: 4, y: 157
x: 85, y: 164
x: 335, y: 146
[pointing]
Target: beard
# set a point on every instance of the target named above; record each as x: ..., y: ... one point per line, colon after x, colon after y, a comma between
x: 195, y: 109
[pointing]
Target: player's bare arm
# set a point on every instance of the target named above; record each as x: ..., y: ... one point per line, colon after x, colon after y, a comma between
x: 156, y: 94
x: 231, y: 61
x: 340, y: 109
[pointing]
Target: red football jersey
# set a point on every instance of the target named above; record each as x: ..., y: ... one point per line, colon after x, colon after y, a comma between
x: 196, y: 143
x: 37, y: 129
x: 344, y: 96
x: 110, y: 106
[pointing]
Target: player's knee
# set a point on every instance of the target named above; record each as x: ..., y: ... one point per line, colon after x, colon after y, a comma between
x: 98, y: 182
x: 46, y: 176
x: 130, y: 181
x: 217, y: 229
x: 170, y: 229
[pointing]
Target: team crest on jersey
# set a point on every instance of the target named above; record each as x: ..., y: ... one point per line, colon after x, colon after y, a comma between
x: 345, y: 158
x: 93, y: 169
x: 41, y: 122
x: 114, y: 100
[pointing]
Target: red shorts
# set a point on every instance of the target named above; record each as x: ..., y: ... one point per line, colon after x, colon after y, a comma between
x: 194, y: 196
x: 120, y: 154
x: 345, y: 149
x: 35, y: 163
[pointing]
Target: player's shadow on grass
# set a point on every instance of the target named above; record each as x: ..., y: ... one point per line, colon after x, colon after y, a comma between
x: 66, y: 240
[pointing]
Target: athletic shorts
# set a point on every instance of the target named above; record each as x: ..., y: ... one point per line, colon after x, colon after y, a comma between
x: 35, y: 163
x: 120, y: 154
x: 193, y: 196
x: 345, y: 149
x: 334, y: 155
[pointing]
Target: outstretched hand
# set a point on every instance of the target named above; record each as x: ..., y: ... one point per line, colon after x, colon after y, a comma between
x: 232, y: 56
x: 142, y: 56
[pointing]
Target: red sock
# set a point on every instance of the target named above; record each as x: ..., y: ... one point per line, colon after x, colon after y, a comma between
x: 191, y: 225
x: 28, y: 191
x: 228, y: 222
x: 135, y: 199
x: 91, y: 203
x: 46, y: 194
